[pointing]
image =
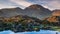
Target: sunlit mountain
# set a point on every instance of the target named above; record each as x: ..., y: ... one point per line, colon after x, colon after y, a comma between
x: 55, y: 17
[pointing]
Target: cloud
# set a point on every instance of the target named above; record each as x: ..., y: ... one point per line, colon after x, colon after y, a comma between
x: 21, y: 2
x: 6, y: 6
x: 50, y: 4
x: 9, y: 4
x: 54, y: 4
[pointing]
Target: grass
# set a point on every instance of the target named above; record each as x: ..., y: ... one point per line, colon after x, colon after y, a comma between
x: 56, y: 28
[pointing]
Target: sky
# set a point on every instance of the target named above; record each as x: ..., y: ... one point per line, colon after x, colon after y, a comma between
x: 50, y: 4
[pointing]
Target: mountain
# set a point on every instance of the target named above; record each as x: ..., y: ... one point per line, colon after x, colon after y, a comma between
x: 32, y: 11
x: 38, y: 11
x: 56, y: 12
x: 8, y: 12
x: 55, y: 17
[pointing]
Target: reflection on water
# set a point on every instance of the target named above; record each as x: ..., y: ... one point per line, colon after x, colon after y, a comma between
x: 33, y: 32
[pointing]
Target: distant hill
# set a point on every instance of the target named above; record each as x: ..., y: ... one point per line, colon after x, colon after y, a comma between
x: 32, y: 11
x: 56, y: 12
x: 55, y: 17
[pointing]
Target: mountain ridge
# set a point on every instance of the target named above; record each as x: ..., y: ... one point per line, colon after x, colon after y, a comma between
x: 38, y: 11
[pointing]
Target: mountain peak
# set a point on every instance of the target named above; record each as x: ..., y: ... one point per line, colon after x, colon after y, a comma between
x: 35, y: 6
x: 18, y: 8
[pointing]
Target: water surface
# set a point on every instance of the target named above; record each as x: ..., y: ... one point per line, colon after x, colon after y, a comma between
x: 33, y: 32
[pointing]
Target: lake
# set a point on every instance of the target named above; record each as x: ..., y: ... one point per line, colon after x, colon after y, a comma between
x: 33, y: 32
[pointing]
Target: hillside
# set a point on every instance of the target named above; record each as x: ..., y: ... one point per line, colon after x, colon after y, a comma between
x: 20, y: 23
x: 55, y: 17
